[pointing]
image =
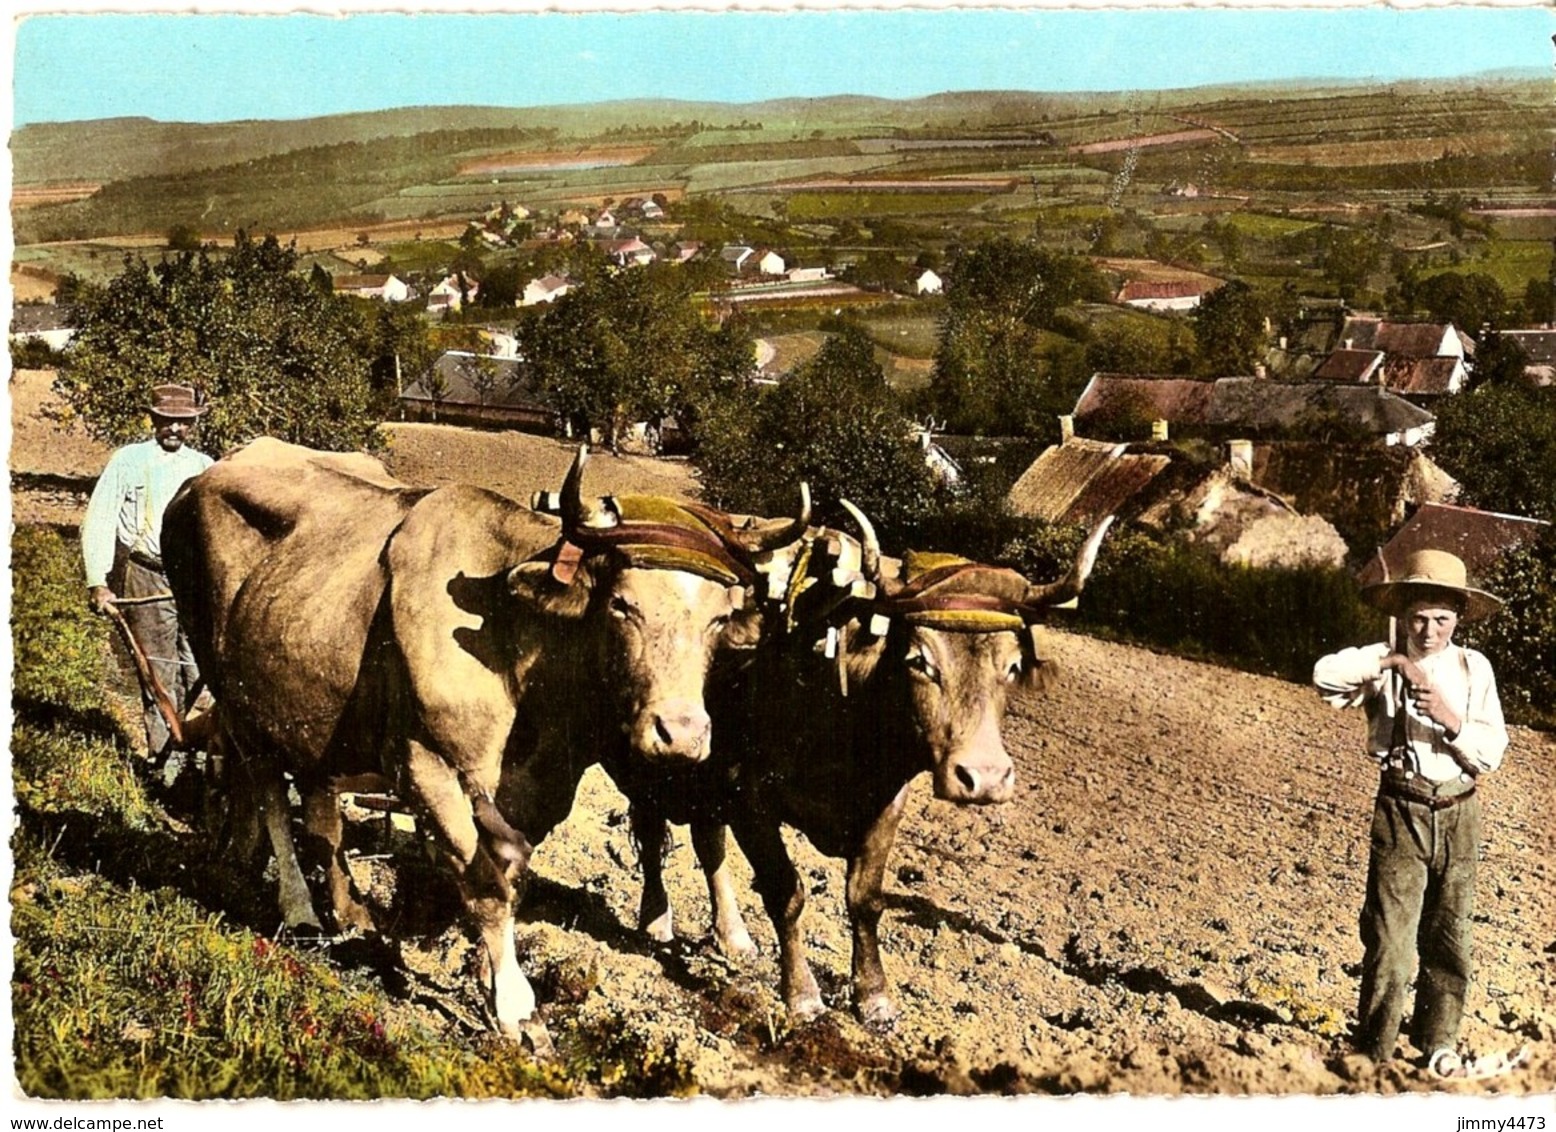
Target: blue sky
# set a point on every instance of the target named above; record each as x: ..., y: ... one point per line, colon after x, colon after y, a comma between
x: 224, y: 67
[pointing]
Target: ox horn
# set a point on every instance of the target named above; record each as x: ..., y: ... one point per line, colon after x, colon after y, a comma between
x: 577, y: 512
x: 1069, y: 587
x: 869, y: 546
x: 757, y: 539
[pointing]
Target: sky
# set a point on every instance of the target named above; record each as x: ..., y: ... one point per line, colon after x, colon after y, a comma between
x: 222, y: 67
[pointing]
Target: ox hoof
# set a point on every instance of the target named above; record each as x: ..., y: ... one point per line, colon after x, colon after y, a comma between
x: 661, y: 929
x: 879, y: 1012
x: 806, y: 1009
x: 738, y: 947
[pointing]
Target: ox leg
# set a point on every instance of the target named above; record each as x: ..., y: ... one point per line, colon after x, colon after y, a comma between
x: 782, y: 895
x: 485, y: 872
x: 325, y: 834
x: 296, y: 902
x: 866, y: 872
x: 650, y: 832
x: 710, y: 840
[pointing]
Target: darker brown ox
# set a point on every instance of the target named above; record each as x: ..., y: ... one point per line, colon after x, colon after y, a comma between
x: 353, y: 629
x: 916, y: 681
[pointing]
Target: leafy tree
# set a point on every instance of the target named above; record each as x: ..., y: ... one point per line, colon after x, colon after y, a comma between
x: 272, y: 354
x: 183, y: 238
x: 1469, y: 300
x: 1139, y: 345
x: 835, y: 424
x: 396, y: 341
x: 1500, y: 360
x: 501, y: 286
x: 1347, y: 257
x: 1499, y: 442
x: 624, y: 346
x: 989, y: 372
x: 1229, y: 328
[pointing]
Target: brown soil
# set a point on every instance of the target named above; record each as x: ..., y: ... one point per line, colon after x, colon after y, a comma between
x: 1167, y: 906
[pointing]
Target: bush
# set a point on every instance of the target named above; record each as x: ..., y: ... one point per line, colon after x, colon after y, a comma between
x: 1521, y: 639
x: 1177, y: 597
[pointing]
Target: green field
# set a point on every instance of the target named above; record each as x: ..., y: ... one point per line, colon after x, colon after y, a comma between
x: 1512, y: 263
x: 806, y: 206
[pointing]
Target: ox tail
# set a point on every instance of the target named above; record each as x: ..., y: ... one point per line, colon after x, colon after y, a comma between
x: 508, y: 843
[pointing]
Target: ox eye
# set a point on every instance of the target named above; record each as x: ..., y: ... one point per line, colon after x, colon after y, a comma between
x: 921, y: 666
x: 620, y: 608
x: 1013, y: 673
x: 721, y: 622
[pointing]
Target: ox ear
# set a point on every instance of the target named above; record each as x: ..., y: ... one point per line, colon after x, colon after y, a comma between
x: 533, y: 585
x: 744, y: 630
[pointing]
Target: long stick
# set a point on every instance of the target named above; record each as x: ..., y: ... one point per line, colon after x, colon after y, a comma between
x: 148, y: 679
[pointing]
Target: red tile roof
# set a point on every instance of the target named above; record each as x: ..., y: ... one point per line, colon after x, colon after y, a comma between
x: 1349, y: 365
x: 1480, y: 538
x: 1420, y: 375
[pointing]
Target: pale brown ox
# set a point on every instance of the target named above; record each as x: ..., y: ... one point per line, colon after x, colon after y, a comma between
x: 350, y: 626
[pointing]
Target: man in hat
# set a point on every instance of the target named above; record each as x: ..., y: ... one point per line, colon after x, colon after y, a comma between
x: 121, y: 539
x: 1434, y: 727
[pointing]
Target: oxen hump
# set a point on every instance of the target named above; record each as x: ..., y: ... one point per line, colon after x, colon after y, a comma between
x: 280, y: 456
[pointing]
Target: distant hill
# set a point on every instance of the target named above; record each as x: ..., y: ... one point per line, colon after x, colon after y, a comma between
x: 111, y: 149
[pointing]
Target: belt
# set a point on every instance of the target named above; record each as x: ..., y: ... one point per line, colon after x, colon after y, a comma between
x: 1392, y: 786
x: 144, y: 560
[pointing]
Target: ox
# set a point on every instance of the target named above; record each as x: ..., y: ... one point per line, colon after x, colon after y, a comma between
x: 352, y: 628
x: 869, y: 683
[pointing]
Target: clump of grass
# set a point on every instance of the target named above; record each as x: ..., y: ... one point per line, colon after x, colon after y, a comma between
x: 58, y: 643
x: 143, y: 993
x: 60, y: 769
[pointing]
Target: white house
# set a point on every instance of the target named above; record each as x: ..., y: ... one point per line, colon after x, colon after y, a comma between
x: 808, y: 274
x: 928, y: 283
x: 1164, y: 295
x: 387, y: 288
x: 446, y: 295
x: 546, y: 289
x: 631, y: 252
x: 42, y: 322
x: 735, y: 256
x: 769, y: 262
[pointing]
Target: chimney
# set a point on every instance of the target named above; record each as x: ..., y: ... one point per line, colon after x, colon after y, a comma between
x: 1159, y: 429
x: 1282, y: 341
x: 1349, y: 342
x: 1239, y: 459
x: 1259, y: 371
x: 1066, y: 428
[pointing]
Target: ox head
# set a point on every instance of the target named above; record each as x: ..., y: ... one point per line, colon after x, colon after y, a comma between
x: 942, y: 646
x: 657, y: 588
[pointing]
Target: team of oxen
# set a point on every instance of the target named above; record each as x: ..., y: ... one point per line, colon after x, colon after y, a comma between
x: 476, y: 656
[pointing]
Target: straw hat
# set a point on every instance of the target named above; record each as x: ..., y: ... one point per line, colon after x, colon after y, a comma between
x: 177, y: 402
x: 1426, y: 571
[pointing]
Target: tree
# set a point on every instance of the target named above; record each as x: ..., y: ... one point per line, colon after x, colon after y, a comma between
x: 1519, y: 637
x: 273, y: 355
x: 989, y: 373
x: 1347, y: 257
x: 835, y: 424
x: 183, y: 238
x: 1469, y: 300
x: 1499, y: 442
x: 1229, y: 329
x: 625, y: 346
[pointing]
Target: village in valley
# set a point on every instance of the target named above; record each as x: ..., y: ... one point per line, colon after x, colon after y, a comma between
x: 1285, y: 334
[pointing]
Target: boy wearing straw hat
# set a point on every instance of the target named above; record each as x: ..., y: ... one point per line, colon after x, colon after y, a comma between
x: 1434, y: 726
x: 121, y: 538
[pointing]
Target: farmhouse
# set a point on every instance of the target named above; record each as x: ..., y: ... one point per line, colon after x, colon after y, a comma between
x: 545, y: 289
x: 1120, y: 406
x: 450, y: 295
x: 928, y: 283
x: 629, y: 252
x: 1164, y: 295
x: 42, y: 322
x: 684, y: 250
x: 387, y: 288
x: 482, y: 390
x: 1216, y: 506
x: 1539, y: 347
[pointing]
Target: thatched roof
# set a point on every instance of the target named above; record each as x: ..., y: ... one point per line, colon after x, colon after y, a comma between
x: 1080, y: 481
